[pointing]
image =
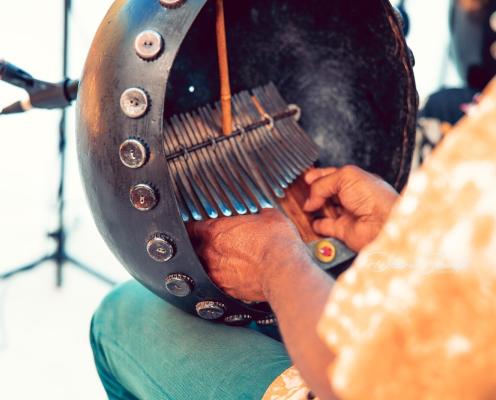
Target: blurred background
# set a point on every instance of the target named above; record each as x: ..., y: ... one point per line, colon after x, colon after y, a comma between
x: 44, y: 348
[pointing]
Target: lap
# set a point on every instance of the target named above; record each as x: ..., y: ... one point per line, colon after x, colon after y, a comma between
x: 147, y: 349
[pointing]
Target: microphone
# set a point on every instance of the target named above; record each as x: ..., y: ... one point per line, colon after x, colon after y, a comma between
x: 42, y: 94
x: 16, y: 76
x: 50, y: 96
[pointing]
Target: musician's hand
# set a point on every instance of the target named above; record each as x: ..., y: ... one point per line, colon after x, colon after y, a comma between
x: 242, y: 253
x: 354, y: 203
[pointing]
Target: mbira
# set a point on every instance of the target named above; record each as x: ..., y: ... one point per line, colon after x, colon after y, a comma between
x: 162, y: 142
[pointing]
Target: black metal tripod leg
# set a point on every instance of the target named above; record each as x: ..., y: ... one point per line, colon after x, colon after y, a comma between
x: 25, y: 268
x: 90, y: 271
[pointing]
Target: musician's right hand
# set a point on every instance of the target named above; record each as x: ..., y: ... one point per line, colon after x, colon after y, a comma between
x: 355, y: 204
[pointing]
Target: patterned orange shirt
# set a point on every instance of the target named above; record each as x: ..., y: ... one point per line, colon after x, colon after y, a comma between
x: 415, y: 317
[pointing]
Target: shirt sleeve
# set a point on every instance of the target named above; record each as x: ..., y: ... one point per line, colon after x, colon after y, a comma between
x: 289, y: 386
x: 414, y: 318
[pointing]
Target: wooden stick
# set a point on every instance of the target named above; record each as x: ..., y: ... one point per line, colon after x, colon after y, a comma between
x: 225, y: 88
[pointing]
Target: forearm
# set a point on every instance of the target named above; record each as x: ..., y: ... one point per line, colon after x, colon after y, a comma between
x: 298, y: 291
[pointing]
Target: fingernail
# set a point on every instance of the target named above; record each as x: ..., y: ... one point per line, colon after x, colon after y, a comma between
x: 306, y: 205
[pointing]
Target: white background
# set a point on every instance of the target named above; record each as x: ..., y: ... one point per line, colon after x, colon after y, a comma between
x: 44, y: 349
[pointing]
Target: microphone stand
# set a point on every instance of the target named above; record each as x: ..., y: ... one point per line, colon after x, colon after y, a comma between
x: 60, y: 256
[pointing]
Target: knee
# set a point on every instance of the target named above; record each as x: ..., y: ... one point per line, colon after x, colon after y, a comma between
x: 121, y: 309
x: 130, y: 311
x: 117, y: 334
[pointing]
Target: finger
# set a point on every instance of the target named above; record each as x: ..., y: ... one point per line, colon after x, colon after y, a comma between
x: 316, y: 173
x: 330, y: 211
x: 321, y: 190
x: 338, y: 228
x: 194, y: 229
x: 198, y: 230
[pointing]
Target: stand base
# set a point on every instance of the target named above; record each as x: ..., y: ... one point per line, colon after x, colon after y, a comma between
x: 59, y: 261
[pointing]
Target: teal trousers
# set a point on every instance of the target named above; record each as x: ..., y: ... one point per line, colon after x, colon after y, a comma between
x: 147, y: 349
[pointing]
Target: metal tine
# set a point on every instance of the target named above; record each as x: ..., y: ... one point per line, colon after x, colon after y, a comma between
x: 267, y: 136
x: 200, y: 166
x: 193, y: 208
x: 262, y: 148
x: 184, y: 164
x: 211, y: 169
x: 273, y: 94
x: 211, y: 159
x: 297, y: 135
x: 293, y: 132
x: 276, y: 98
x: 235, y: 154
x: 261, y: 137
x: 290, y: 155
x: 182, y: 208
x: 181, y: 204
x: 180, y: 201
x: 229, y: 157
x: 225, y: 163
x: 271, y: 135
x: 241, y: 147
x: 182, y: 182
x: 180, y: 179
x: 189, y: 169
x: 282, y: 134
x: 259, y: 161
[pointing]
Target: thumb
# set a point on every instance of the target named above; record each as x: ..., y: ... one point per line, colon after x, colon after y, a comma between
x: 197, y: 230
x: 316, y: 173
x: 338, y: 228
x: 321, y: 190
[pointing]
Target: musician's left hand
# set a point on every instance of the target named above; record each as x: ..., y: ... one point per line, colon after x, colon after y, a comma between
x: 262, y: 258
x: 242, y: 253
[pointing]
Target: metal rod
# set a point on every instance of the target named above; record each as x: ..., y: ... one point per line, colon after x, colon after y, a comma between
x: 238, y: 132
x: 59, y: 234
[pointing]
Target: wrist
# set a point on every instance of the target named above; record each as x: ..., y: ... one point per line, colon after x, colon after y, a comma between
x: 385, y: 206
x: 288, y: 262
